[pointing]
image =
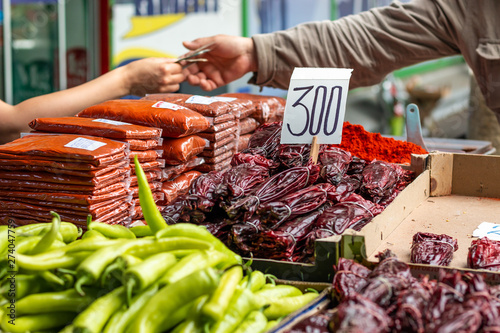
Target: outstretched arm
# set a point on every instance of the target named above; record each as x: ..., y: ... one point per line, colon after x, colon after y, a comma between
x: 150, y: 75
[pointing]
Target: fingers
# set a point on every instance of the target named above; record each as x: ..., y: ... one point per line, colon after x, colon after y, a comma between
x: 194, y: 44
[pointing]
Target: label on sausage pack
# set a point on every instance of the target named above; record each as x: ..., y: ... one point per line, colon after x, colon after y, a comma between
x: 167, y: 105
x: 204, y: 100
x: 84, y: 143
x: 111, y: 122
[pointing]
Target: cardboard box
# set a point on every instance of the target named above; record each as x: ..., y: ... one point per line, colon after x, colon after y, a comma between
x: 453, y: 194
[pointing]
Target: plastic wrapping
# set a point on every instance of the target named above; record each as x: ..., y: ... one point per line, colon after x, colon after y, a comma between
x: 43, y: 213
x: 138, y: 144
x: 151, y: 175
x: 207, y: 106
x: 174, y: 120
x: 71, y: 198
x: 146, y: 155
x: 36, y: 163
x: 105, y: 128
x: 172, y: 171
x: 223, y: 165
x: 266, y: 108
x: 154, y: 185
x: 96, y: 181
x: 69, y: 172
x: 148, y: 166
x: 64, y: 147
x: 219, y: 158
x: 243, y: 141
x: 178, y: 186
x: 220, y: 119
x: 8, y: 184
x: 222, y: 142
x: 181, y: 150
x: 248, y: 125
x: 221, y: 126
x: 230, y: 147
x: 218, y: 136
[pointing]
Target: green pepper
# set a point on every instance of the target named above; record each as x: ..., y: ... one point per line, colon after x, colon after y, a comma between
x: 241, y: 304
x: 155, y: 315
x: 36, y: 322
x: 89, y: 270
x: 25, y: 245
x: 92, y: 267
x: 219, y: 300
x: 110, y: 230
x: 49, y: 238
x: 55, y: 301
x: 69, y: 232
x: 193, y: 322
x: 270, y: 291
x: 271, y: 324
x: 254, y: 322
x: 256, y: 280
x: 122, y: 318
x: 198, y: 232
x: 191, y: 263
x: 42, y: 262
x: 142, y: 230
x: 283, y: 306
x: 149, y: 209
x: 117, y: 268
x: 144, y: 274
x: 93, y: 234
x: 96, y: 315
x: 151, y: 246
x: 25, y: 284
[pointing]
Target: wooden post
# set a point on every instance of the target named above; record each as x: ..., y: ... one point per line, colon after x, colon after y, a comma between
x: 315, y: 149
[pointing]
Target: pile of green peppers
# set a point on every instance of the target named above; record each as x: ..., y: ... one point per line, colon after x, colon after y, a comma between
x: 154, y: 278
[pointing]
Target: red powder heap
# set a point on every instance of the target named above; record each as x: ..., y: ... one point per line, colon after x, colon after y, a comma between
x: 373, y: 146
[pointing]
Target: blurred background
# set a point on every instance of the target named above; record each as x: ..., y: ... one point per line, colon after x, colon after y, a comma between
x: 51, y: 45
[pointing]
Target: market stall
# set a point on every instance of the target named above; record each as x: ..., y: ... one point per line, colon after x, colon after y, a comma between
x: 126, y: 223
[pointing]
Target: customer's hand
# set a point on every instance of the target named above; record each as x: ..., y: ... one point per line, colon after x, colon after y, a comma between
x: 152, y: 75
x: 230, y: 58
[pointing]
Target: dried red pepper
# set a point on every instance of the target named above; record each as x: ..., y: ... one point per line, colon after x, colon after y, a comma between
x: 484, y: 253
x: 432, y: 249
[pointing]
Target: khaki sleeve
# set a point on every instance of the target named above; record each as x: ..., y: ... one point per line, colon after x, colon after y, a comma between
x: 372, y: 43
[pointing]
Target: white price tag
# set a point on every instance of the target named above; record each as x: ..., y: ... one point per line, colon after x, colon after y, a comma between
x: 111, y: 122
x: 84, y: 143
x: 167, y: 105
x: 315, y: 105
x: 487, y: 229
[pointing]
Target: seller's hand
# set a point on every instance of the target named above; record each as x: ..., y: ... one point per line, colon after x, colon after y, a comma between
x: 152, y: 75
x: 230, y: 58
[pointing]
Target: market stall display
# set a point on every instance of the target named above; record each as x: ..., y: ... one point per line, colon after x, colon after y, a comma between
x: 274, y: 202
x: 389, y: 298
x: 79, y: 175
x: 144, y: 141
x: 114, y: 280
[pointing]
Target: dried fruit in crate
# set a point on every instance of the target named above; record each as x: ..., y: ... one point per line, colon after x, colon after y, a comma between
x: 432, y: 249
x: 484, y: 253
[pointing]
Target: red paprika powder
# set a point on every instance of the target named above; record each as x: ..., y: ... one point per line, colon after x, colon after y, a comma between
x: 373, y: 146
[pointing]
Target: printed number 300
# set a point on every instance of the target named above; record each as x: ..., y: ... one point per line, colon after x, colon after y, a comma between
x: 321, y: 92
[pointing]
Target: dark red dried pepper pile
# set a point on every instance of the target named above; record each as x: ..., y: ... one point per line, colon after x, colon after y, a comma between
x: 275, y: 202
x: 389, y: 299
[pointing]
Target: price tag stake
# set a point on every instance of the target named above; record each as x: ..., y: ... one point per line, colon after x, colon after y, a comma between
x: 315, y: 150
